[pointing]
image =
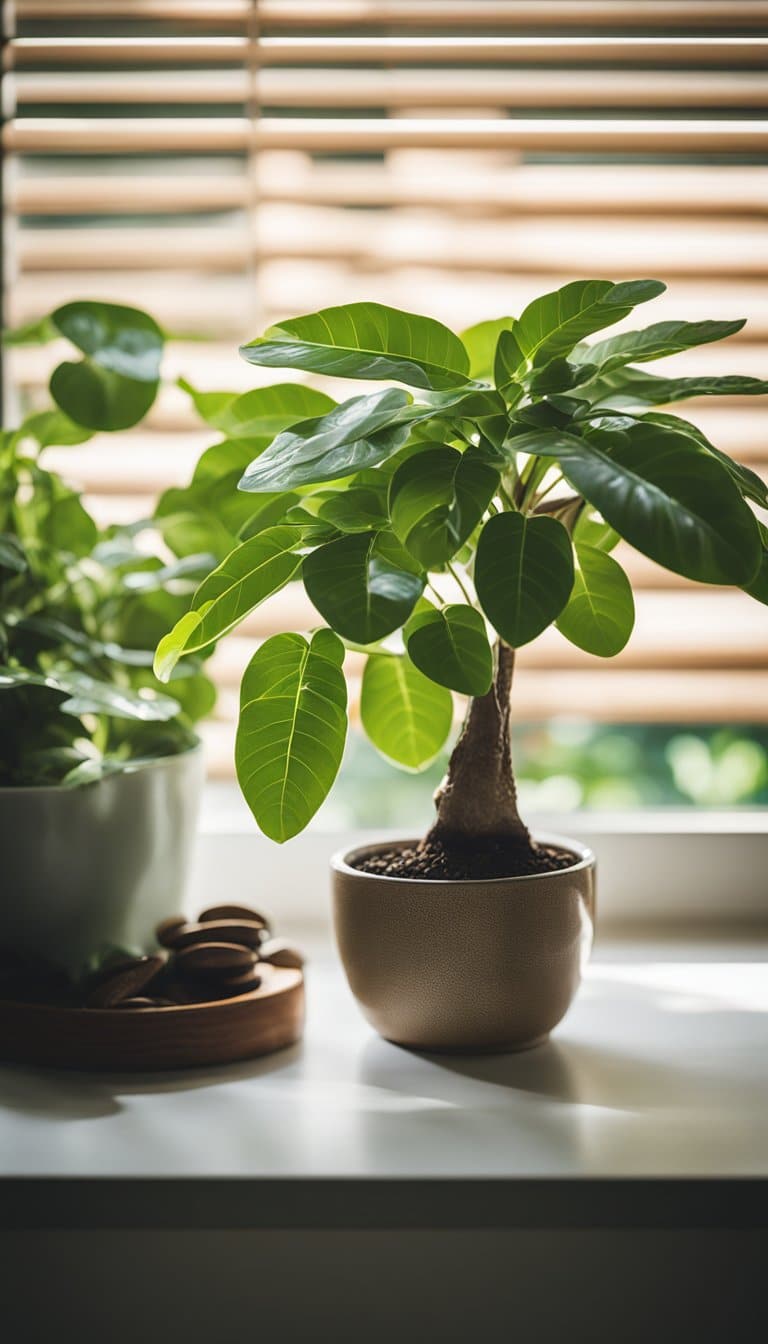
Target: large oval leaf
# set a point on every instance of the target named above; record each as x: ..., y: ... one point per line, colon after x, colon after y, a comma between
x: 627, y: 387
x: 291, y: 731
x: 260, y: 411
x: 358, y: 590
x: 480, y: 342
x: 355, y: 435
x: 115, y: 384
x: 437, y: 498
x: 669, y: 499
x: 366, y: 340
x: 554, y: 323
x: 251, y: 573
x: 523, y: 574
x: 600, y: 612
x: 450, y: 646
x: 405, y: 715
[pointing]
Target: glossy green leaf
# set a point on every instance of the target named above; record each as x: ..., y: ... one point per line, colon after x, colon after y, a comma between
x: 291, y: 731
x: 591, y: 529
x: 360, y: 508
x: 357, y: 434
x: 664, y: 338
x: 358, y: 590
x: 263, y: 411
x: 523, y: 574
x: 671, y: 501
x: 88, y: 695
x: 600, y: 612
x: 115, y: 384
x: 406, y: 715
x: 437, y: 498
x: 750, y: 484
x: 251, y: 573
x: 366, y: 340
x: 554, y: 323
x: 450, y: 646
x: 628, y: 387
x: 480, y: 342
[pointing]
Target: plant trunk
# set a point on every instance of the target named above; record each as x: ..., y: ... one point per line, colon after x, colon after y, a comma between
x: 477, y: 800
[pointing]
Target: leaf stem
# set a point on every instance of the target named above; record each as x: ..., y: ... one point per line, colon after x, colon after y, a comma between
x: 457, y: 577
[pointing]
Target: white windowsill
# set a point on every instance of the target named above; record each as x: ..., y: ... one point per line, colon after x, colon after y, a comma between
x: 660, y: 869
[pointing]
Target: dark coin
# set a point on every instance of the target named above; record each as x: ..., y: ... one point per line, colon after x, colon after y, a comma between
x: 245, y: 932
x: 216, y: 912
x: 212, y: 958
x: 168, y: 930
x: 228, y: 987
x: 279, y: 952
x: 126, y: 983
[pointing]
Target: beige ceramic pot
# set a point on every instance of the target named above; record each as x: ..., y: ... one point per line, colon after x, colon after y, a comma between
x: 464, y: 966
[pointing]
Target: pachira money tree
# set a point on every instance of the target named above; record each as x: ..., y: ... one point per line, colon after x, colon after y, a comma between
x: 442, y: 523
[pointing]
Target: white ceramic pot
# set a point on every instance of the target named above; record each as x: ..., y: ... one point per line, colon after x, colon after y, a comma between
x: 97, y: 866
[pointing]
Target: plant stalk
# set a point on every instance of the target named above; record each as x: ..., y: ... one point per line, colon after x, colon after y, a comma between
x: 477, y: 800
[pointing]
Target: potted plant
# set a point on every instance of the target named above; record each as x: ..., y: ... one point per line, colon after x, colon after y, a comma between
x: 100, y: 768
x: 438, y: 530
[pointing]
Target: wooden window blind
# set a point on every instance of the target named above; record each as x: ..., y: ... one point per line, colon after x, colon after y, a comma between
x: 225, y: 164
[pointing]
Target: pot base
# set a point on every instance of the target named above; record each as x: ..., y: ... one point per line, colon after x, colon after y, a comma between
x: 511, y: 1048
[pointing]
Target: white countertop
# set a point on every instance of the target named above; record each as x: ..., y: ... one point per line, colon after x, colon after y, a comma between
x: 660, y: 1069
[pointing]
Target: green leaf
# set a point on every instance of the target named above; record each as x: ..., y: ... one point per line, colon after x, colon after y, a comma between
x: 251, y: 573
x: 261, y: 411
x: 360, y: 508
x: 750, y: 484
x: 354, y: 435
x: 591, y: 529
x: 523, y: 574
x: 12, y: 554
x: 116, y: 383
x: 87, y: 695
x: 437, y: 498
x: 50, y: 428
x: 39, y: 332
x: 406, y: 716
x: 559, y: 375
x: 451, y: 647
x: 366, y: 340
x: 758, y: 588
x: 480, y: 342
x: 636, y: 388
x: 671, y: 501
x: 99, y: 399
x: 664, y: 338
x: 358, y: 590
x: 554, y: 323
x: 509, y: 362
x: 600, y: 612
x: 291, y: 731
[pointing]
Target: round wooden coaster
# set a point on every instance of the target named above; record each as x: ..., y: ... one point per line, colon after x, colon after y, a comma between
x: 178, y: 1037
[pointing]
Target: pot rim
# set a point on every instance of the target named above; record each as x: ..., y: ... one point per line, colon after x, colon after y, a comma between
x: 135, y: 767
x: 340, y: 864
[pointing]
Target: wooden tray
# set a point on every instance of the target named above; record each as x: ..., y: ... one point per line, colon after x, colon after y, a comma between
x: 183, y: 1036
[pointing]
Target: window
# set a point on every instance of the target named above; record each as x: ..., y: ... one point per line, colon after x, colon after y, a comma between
x: 227, y: 164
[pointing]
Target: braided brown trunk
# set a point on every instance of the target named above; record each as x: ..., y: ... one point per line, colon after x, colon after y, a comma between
x: 477, y: 799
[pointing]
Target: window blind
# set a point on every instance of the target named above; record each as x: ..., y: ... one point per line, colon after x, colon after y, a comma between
x: 227, y: 164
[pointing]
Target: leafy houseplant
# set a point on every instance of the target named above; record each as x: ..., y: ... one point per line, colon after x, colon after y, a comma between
x: 438, y: 530
x: 81, y: 609
x: 488, y: 500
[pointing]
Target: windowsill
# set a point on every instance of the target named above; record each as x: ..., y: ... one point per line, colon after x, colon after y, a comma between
x: 660, y: 869
x: 654, y: 1073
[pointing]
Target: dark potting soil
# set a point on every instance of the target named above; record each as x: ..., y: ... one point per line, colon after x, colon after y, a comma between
x: 498, y: 857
